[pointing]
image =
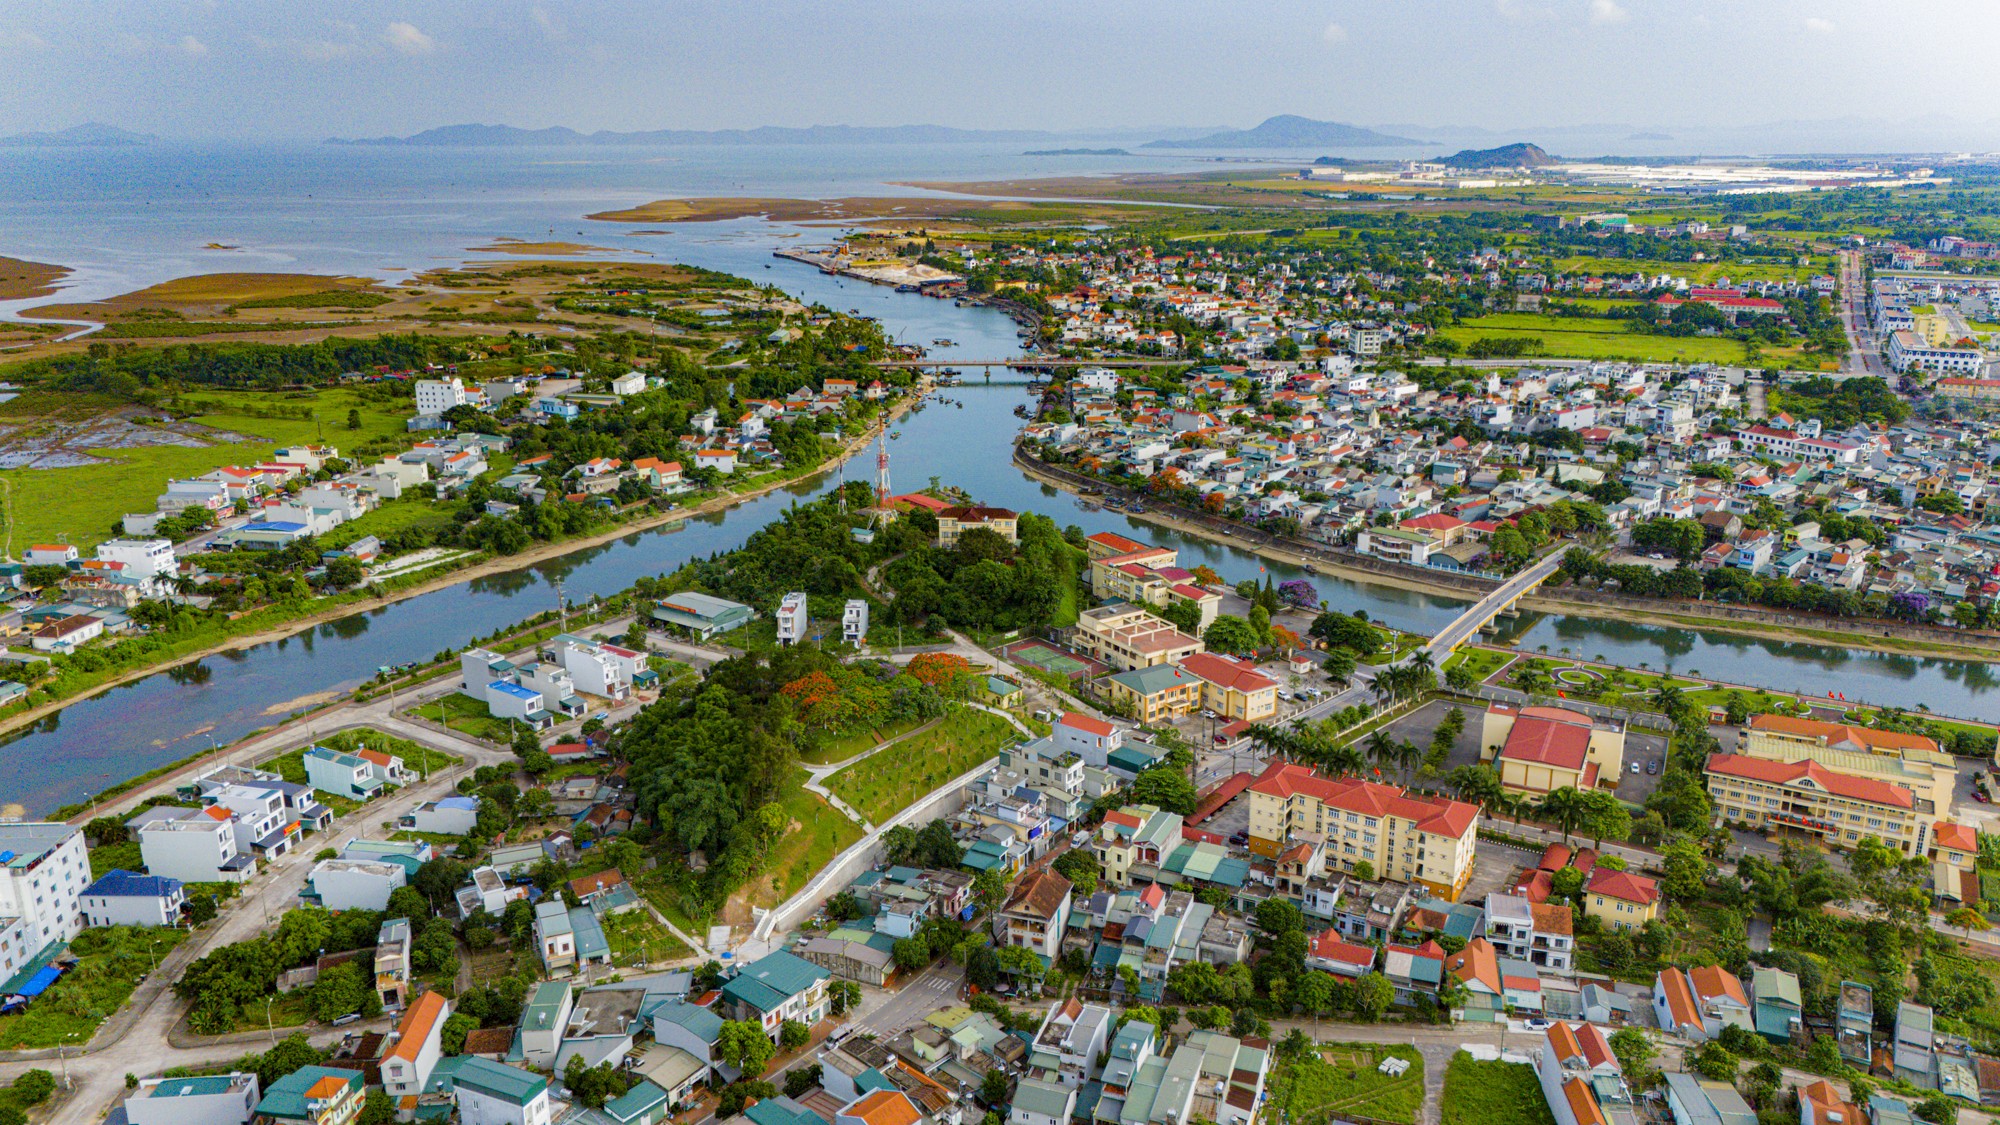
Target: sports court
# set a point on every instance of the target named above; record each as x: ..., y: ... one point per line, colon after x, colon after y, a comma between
x: 1053, y: 658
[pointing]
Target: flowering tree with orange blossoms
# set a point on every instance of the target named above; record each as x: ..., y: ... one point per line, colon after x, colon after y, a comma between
x: 938, y: 669
x: 820, y: 701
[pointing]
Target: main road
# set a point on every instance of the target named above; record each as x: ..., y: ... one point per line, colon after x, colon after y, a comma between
x: 1467, y: 624
x: 1864, y: 350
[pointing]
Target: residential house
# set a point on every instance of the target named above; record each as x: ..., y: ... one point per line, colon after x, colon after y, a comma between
x: 123, y: 898
x: 215, y: 1099
x: 490, y: 1093
x: 775, y: 988
x: 415, y: 1046
x: 1036, y: 916
x: 1621, y: 900
x: 313, y: 1095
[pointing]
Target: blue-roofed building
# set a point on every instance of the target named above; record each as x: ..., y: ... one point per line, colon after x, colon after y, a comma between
x: 508, y: 700
x: 314, y: 1095
x: 126, y: 898
x: 778, y: 987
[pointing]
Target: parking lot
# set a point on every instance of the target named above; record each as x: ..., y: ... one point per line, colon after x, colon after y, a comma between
x: 1642, y: 747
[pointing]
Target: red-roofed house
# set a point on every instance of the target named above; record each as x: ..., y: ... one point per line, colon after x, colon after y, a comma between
x: 1233, y: 688
x: 1404, y: 835
x: 1328, y: 952
x: 1673, y: 1004
x: 1621, y: 900
x: 1541, y: 749
x: 1954, y: 858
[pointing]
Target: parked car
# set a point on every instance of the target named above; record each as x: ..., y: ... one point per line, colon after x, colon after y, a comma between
x: 1652, y: 767
x: 1635, y: 767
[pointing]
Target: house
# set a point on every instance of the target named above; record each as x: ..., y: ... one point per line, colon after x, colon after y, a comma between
x: 491, y: 1093
x: 793, y: 618
x: 1720, y: 997
x: 1821, y: 1104
x: 1693, y: 1100
x: 192, y: 845
x: 1037, y: 915
x: 880, y: 1107
x: 446, y: 816
x: 775, y: 988
x: 603, y: 1024
x: 123, y: 898
x: 1162, y: 691
x: 1477, y: 968
x: 1620, y: 900
x: 1776, y: 1007
x: 1915, y: 1038
x: 66, y: 634
x: 354, y: 884
x: 414, y: 1048
x: 1540, y: 749
x: 1674, y: 1007
x: 1073, y: 1036
x: 781, y: 1110
x: 217, y: 1099
x: 955, y: 521
x: 544, y: 1018
x: 313, y: 1095
x: 1233, y: 688
x: 606, y: 892
x: 1581, y: 1078
x: 1326, y: 951
x: 1038, y: 1101
x: 700, y: 615
x: 392, y: 962
x: 854, y: 622
x: 341, y: 774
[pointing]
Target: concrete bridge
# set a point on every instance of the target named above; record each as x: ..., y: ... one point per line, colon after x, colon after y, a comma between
x: 1467, y: 625
x: 1025, y: 362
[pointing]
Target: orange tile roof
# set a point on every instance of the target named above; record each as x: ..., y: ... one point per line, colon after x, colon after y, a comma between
x: 1713, y: 982
x: 416, y: 1026
x: 1550, y: 742
x: 1085, y: 723
x: 1552, y: 918
x: 1672, y: 983
x: 885, y: 1107
x: 1328, y: 946
x: 1225, y: 672
x: 1040, y: 894
x: 1789, y: 773
x: 1866, y: 737
x: 1957, y: 837
x: 376, y: 756
x: 328, y: 1087
x: 1623, y: 886
x: 1563, y: 1042
x: 1582, y: 1103
x: 1436, y: 815
x: 1596, y: 1048
x: 1477, y: 962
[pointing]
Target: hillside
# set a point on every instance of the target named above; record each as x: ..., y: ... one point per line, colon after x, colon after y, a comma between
x: 90, y: 135
x: 1289, y: 131
x: 1517, y: 155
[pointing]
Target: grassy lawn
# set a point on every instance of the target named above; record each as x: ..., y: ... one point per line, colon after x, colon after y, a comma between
x: 883, y: 785
x: 110, y: 963
x: 1698, y: 273
x: 393, y: 516
x: 1573, y: 338
x: 466, y: 716
x: 115, y: 857
x: 843, y: 747
x: 290, y: 1009
x: 1483, y: 662
x: 1492, y: 1093
x: 291, y: 764
x: 815, y: 833
x: 83, y: 501
x: 1341, y: 1079
x: 636, y: 939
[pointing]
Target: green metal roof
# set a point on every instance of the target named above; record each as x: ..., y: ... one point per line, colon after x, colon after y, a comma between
x: 1152, y: 681
x: 766, y: 983
x: 781, y: 1110
x: 286, y: 1097
x: 495, y: 1080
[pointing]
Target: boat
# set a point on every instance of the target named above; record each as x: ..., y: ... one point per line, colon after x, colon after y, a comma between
x: 1137, y: 509
x: 895, y: 435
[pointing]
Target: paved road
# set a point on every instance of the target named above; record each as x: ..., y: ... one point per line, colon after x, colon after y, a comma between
x: 1864, y: 351
x: 1466, y: 625
x: 934, y: 988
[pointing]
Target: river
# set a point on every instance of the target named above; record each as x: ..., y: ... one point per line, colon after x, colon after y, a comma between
x: 167, y: 716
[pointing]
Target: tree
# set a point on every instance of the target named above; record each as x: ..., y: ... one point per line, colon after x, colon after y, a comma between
x: 801, y: 1079
x: 843, y: 995
x: 982, y: 968
x: 1277, y: 916
x: 1021, y: 964
x: 34, y: 1087
x: 792, y: 1035
x: 407, y: 902
x: 911, y: 954
x: 1371, y: 995
x: 452, y: 1038
x: 743, y: 1045
x: 1167, y: 789
x: 1686, y: 869
x: 1339, y: 666
x: 1614, y: 951
x: 1634, y: 1049
x: 1365, y: 871
x: 1314, y: 994
x: 1938, y: 1109
x: 377, y: 1108
x: 1967, y: 920
x: 1564, y: 807
x: 284, y: 1057
x: 341, y: 991
x: 993, y: 1089
x: 1233, y: 635
x: 353, y: 419
x: 1080, y: 868
x: 1713, y: 1060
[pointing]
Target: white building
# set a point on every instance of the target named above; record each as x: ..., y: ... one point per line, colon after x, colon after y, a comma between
x: 43, y: 872
x: 354, y: 884
x: 415, y: 1046
x: 792, y: 619
x: 192, y: 845
x: 595, y: 672
x: 143, y: 558
x: 854, y: 622
x: 435, y: 396
x: 220, y: 1099
x: 125, y: 898
x: 630, y: 383
x: 491, y: 1093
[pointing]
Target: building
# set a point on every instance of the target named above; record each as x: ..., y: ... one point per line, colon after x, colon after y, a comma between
x: 192, y: 845
x: 1162, y: 691
x: 220, y: 1099
x: 66, y: 634
x: 956, y: 521
x: 141, y: 558
x: 1540, y: 749
x: 1834, y: 808
x: 354, y: 884
x: 1233, y: 688
x: 1700, y: 1101
x: 43, y: 873
x: 1038, y: 1101
x: 1127, y: 637
x: 1073, y: 1036
x: 700, y: 615
x: 854, y: 622
x: 1581, y: 1077
x: 778, y: 987
x: 1914, y: 1044
x: 1620, y: 900
x: 313, y: 1095
x: 1674, y: 1008
x: 392, y: 962
x: 1403, y: 835
x: 446, y: 816
x: 1776, y: 1008
x: 414, y: 1051
x: 341, y: 774
x: 491, y: 1093
x: 793, y: 619
x: 1821, y: 1104
x: 123, y: 898
x: 543, y: 1020
x: 1720, y: 998
x: 1908, y: 350
x: 435, y: 396
x: 1037, y: 915
x: 1538, y: 933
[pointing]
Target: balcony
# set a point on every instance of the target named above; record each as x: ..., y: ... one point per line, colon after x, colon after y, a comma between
x: 1802, y: 820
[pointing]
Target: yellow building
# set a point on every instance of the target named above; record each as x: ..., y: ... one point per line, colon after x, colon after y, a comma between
x: 1835, y: 808
x: 1160, y: 692
x: 1621, y: 900
x: 1232, y: 688
x: 1127, y: 637
x: 1403, y: 835
x: 1908, y: 761
x: 954, y: 522
x: 1537, y: 750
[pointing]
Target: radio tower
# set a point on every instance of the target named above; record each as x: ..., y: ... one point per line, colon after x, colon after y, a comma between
x: 882, y: 473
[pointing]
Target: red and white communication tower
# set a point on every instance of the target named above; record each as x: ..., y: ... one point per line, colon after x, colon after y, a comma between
x: 881, y: 474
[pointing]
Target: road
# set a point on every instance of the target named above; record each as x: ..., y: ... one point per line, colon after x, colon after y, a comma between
x: 1864, y: 350
x: 934, y: 988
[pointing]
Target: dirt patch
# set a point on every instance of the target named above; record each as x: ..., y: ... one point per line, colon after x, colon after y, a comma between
x: 850, y: 209
x: 517, y: 246
x: 303, y: 703
x: 20, y: 278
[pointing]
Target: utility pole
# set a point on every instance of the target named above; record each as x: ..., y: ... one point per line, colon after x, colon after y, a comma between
x: 562, y: 607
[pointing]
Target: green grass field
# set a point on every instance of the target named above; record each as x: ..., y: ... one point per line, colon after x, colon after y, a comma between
x: 817, y: 833
x: 84, y: 501
x: 1341, y: 1080
x: 636, y: 939
x: 842, y: 747
x: 881, y: 786
x: 467, y: 716
x: 1698, y: 273
x: 1482, y: 661
x: 1492, y: 1093
x: 393, y: 516
x: 110, y: 962
x: 1574, y: 338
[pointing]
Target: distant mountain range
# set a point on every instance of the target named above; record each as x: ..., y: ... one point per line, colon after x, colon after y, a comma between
x: 493, y: 136
x: 1517, y: 155
x: 90, y: 135
x: 1076, y: 152
x: 1290, y: 131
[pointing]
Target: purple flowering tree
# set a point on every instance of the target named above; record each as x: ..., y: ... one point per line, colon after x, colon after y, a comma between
x: 1298, y: 592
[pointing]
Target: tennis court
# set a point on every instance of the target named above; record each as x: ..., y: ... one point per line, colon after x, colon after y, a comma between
x: 1050, y: 658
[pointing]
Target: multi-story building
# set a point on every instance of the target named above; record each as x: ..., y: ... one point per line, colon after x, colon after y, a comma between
x: 192, y: 845
x: 392, y: 962
x: 124, y: 898
x: 1132, y: 836
x: 854, y: 622
x: 1127, y: 637
x: 1071, y: 1039
x: 954, y: 522
x: 1539, y: 933
x: 778, y: 987
x: 1233, y: 688
x: 1037, y: 915
x: 1581, y: 1077
x: 1541, y: 749
x: 1621, y: 900
x: 219, y: 1099
x: 1162, y: 691
x: 415, y: 1046
x: 491, y: 1093
x: 43, y: 872
x: 792, y: 619
x: 435, y: 396
x: 1403, y: 835
x: 1824, y: 804
x: 313, y: 1095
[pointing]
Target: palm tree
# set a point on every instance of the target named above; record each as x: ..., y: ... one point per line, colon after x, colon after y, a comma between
x: 1344, y: 759
x: 1381, y: 751
x: 1283, y: 742
x: 1564, y: 807
x: 1476, y: 784
x: 1408, y: 754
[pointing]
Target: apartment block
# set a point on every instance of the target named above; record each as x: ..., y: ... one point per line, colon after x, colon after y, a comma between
x: 1403, y: 835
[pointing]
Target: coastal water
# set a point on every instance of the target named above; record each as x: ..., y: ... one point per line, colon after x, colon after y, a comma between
x: 127, y: 219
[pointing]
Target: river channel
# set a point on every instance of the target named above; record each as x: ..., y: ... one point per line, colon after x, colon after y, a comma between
x: 167, y: 716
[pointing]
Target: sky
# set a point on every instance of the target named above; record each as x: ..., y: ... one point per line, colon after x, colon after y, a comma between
x: 306, y: 69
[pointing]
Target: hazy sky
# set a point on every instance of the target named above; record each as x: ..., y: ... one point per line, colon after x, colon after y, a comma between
x: 312, y: 68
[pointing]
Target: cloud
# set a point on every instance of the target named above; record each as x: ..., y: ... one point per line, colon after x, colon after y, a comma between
x: 1608, y: 11
x: 14, y: 39
x: 1334, y: 33
x: 405, y: 38
x: 551, y: 26
x: 1819, y: 26
x: 186, y: 45
x: 191, y: 47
